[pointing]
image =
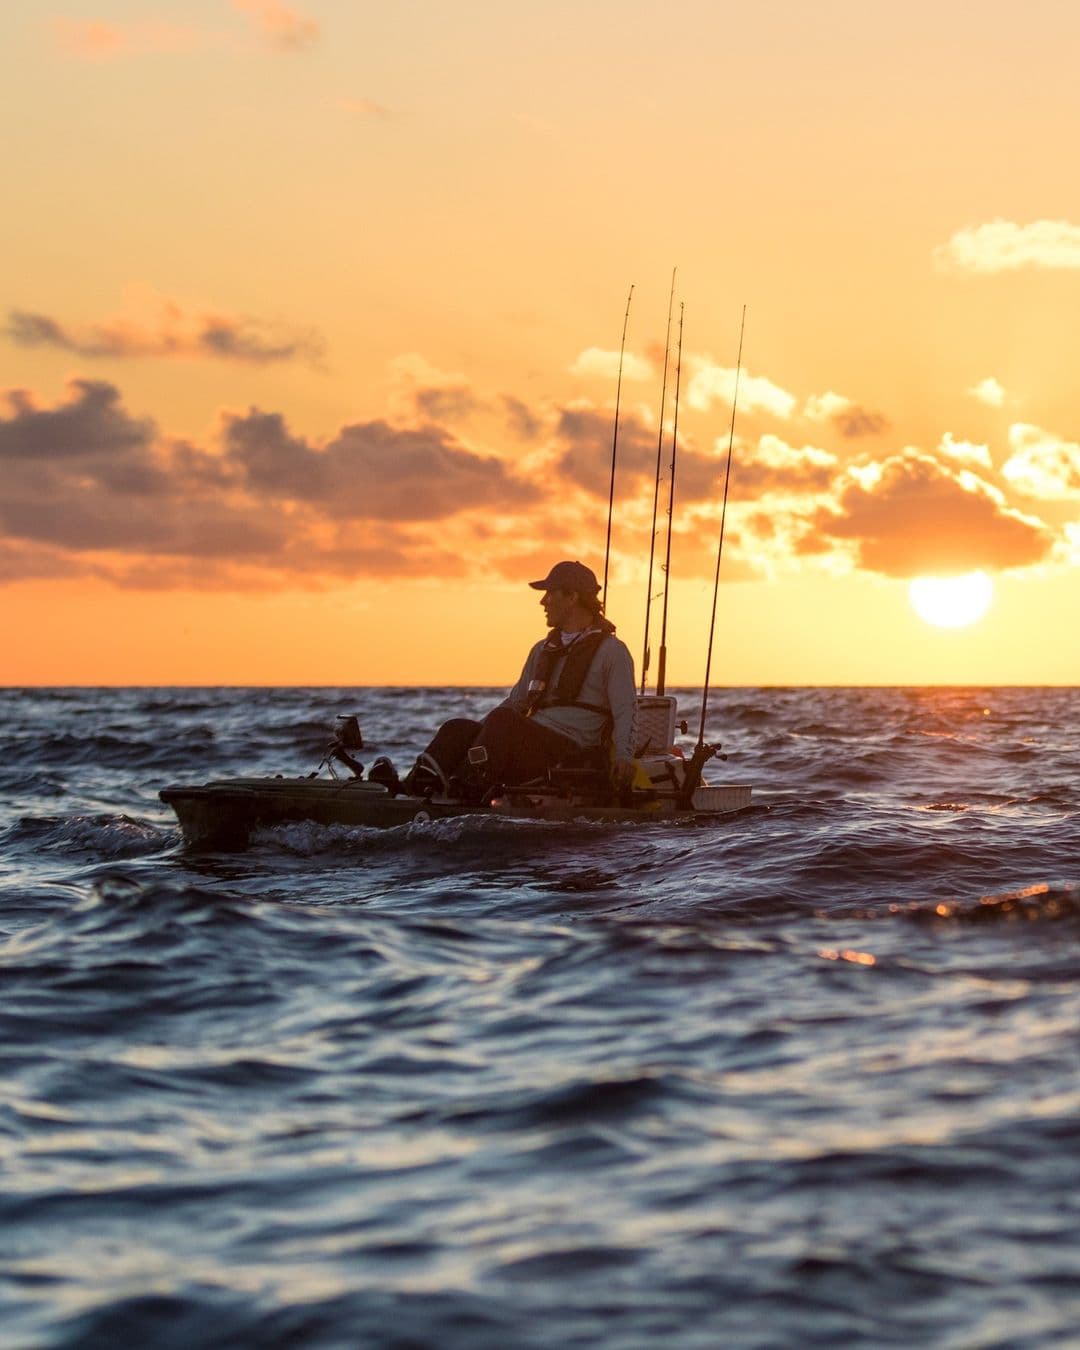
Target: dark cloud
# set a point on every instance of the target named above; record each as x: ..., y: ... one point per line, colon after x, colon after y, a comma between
x: 446, y: 402
x: 90, y: 422
x: 219, y: 337
x: 585, y: 435
x: 101, y: 506
x: 37, y: 330
x: 921, y: 516
x: 371, y: 469
x: 260, y: 453
x: 246, y: 340
x: 523, y: 422
x: 854, y: 422
x: 193, y: 468
x: 86, y: 477
x: 424, y: 393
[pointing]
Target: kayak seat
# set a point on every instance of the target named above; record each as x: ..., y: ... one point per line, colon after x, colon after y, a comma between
x: 586, y: 771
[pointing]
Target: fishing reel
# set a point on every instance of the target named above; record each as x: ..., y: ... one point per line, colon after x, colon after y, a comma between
x: 692, y: 773
x: 347, y: 737
x: 349, y: 733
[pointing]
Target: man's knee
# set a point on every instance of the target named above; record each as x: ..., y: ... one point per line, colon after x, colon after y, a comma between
x: 458, y: 726
x: 451, y: 741
x: 498, y: 723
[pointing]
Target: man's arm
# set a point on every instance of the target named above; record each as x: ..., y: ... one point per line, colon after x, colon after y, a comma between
x: 518, y: 697
x: 622, y: 700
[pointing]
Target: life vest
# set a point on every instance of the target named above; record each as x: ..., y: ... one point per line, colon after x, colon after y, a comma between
x: 578, y: 658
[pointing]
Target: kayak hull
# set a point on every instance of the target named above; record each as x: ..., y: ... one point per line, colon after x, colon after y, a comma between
x: 221, y: 816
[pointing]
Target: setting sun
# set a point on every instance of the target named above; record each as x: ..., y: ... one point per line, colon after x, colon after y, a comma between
x: 951, y: 602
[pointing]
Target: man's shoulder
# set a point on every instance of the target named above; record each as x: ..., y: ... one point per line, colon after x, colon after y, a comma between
x: 615, y: 654
x: 613, y: 643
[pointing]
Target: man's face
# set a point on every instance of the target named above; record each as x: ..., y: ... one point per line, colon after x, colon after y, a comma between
x: 557, y: 606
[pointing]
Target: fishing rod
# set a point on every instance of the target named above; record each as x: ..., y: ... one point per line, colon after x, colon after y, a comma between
x: 662, y: 664
x: 614, y: 445
x: 702, y: 752
x: 723, y: 520
x: 656, y: 490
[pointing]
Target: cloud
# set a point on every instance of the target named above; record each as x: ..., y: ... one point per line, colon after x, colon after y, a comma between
x: 525, y: 424
x: 33, y: 562
x: 370, y: 470
x: 855, y: 422
x: 774, y: 536
x: 710, y: 383
x: 1042, y: 465
x: 89, y: 486
x: 86, y: 482
x: 450, y: 403
x: 583, y: 441
x: 90, y: 422
x: 282, y: 27
x: 421, y: 390
x: 911, y: 514
x: 847, y: 417
x: 87, y: 475
x: 595, y: 361
x: 1003, y: 246
x: 988, y: 391
x: 823, y: 407
x: 965, y: 452
x: 1070, y: 544
x: 774, y: 466
x: 173, y: 333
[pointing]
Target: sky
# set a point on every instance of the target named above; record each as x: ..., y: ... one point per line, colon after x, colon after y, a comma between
x: 310, y: 316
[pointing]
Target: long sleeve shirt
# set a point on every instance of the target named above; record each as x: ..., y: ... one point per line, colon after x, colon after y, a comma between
x: 609, y: 683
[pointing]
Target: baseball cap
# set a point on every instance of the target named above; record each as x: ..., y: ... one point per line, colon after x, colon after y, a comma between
x: 569, y: 576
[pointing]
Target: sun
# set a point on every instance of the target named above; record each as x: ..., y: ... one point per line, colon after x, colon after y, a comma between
x: 951, y: 602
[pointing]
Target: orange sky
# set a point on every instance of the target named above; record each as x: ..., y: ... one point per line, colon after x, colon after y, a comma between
x: 310, y: 314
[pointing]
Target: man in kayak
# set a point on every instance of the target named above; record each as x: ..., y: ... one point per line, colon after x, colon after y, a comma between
x: 575, y: 694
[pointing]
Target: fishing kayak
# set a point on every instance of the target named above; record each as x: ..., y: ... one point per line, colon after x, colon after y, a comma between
x: 223, y: 815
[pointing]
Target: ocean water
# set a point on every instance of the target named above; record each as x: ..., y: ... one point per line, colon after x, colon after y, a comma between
x: 806, y: 1077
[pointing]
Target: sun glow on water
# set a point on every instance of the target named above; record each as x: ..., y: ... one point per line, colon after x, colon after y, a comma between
x: 951, y: 602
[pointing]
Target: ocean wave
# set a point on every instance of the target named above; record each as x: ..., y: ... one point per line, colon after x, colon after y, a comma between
x: 149, y: 749
x: 29, y: 783
x: 1042, y: 901
x: 309, y: 839
x: 100, y: 835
